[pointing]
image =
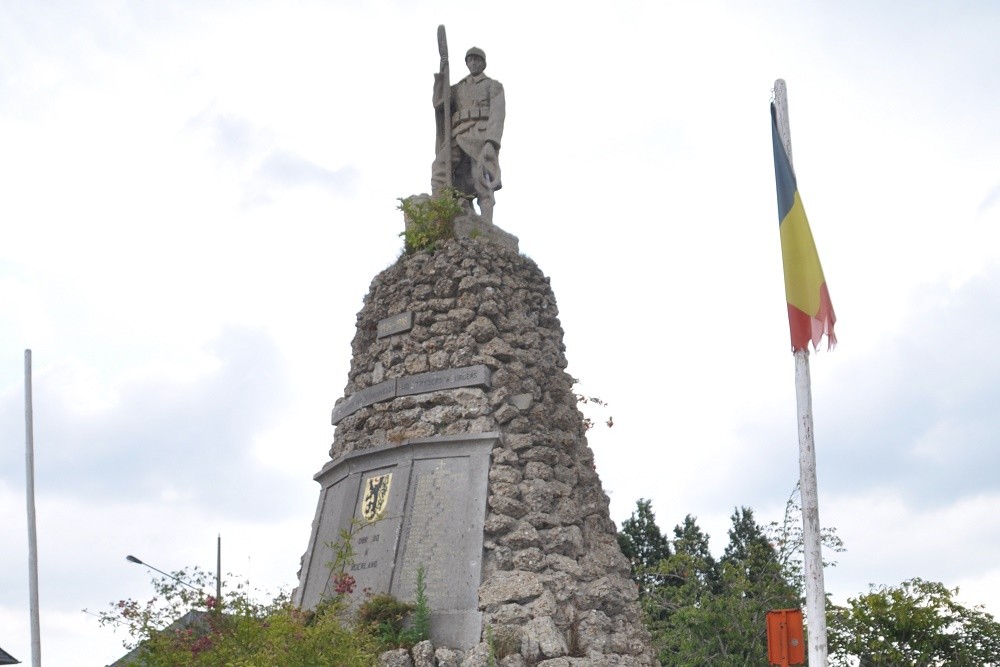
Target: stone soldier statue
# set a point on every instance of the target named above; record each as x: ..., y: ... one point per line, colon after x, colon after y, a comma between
x: 472, y: 112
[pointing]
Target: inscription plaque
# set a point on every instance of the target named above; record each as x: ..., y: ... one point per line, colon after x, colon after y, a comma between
x: 382, y: 391
x: 395, y: 324
x: 418, y: 504
x: 378, y: 515
x: 453, y: 378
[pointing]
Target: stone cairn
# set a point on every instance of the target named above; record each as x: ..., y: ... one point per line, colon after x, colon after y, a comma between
x: 555, y: 588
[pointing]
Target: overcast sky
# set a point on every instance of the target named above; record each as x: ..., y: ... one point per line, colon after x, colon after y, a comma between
x: 194, y: 198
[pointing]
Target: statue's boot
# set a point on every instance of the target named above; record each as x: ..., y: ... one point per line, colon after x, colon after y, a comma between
x: 486, y: 209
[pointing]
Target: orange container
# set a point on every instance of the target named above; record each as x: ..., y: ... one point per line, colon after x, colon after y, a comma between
x: 785, y: 640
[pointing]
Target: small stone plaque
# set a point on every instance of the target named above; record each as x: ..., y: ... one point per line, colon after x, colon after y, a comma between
x: 375, y: 531
x: 419, y: 504
x: 395, y: 324
x: 380, y: 392
x: 453, y: 378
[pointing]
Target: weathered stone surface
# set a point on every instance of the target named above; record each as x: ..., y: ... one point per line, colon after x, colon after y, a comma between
x: 447, y: 658
x: 510, y: 614
x: 504, y: 473
x: 592, y: 631
x: 523, y: 536
x: 531, y: 559
x: 565, y: 540
x: 521, y: 401
x: 505, y: 413
x: 514, y: 586
x: 423, y: 654
x: 498, y: 524
x: 542, y: 639
x: 610, y: 594
x: 397, y: 658
x: 551, y: 568
x: 604, y: 559
x: 544, y: 605
x: 477, y: 657
x: 508, y: 506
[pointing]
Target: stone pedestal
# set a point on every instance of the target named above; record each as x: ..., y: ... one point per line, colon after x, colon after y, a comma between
x: 459, y: 448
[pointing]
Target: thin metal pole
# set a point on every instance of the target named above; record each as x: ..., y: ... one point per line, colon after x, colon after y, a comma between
x: 812, y: 539
x: 811, y: 534
x: 218, y: 572
x: 36, y: 638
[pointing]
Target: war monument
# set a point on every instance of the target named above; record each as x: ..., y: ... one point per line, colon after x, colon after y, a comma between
x: 459, y: 450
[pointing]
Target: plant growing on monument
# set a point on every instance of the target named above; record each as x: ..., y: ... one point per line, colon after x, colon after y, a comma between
x: 385, y: 617
x: 429, y: 220
x: 421, y: 608
x: 588, y: 423
x: 341, y: 582
x: 180, y: 627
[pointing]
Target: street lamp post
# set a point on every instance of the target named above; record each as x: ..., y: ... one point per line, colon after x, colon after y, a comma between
x: 218, y: 572
x: 132, y: 559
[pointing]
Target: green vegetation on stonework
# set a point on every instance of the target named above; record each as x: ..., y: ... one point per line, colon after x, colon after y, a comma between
x: 181, y: 625
x: 421, y: 608
x: 382, y: 616
x: 385, y: 617
x: 429, y: 220
x: 491, y: 648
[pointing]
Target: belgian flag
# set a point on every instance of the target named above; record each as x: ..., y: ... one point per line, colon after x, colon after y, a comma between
x: 810, y: 312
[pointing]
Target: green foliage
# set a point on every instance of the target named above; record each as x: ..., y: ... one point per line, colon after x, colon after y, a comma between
x: 751, y: 552
x: 341, y: 582
x: 382, y: 615
x: 691, y: 540
x: 644, y: 545
x: 429, y: 221
x: 706, y: 612
x: 916, y: 623
x: 787, y: 538
x: 491, y: 648
x: 179, y: 626
x: 385, y: 617
x: 421, y: 609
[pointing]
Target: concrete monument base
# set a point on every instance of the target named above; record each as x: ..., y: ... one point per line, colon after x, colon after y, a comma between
x: 459, y: 447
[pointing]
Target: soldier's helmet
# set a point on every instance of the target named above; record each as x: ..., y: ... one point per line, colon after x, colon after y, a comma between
x: 475, y: 51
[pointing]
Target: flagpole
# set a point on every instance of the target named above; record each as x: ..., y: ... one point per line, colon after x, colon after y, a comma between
x: 812, y: 539
x: 36, y: 641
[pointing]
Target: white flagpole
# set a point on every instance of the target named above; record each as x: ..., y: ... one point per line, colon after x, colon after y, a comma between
x: 815, y: 593
x: 36, y: 640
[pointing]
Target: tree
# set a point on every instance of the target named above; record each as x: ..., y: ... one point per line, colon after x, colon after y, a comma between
x: 751, y: 551
x: 181, y: 626
x: 788, y: 539
x: 705, y: 612
x: 918, y: 623
x: 689, y: 539
x: 643, y: 544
